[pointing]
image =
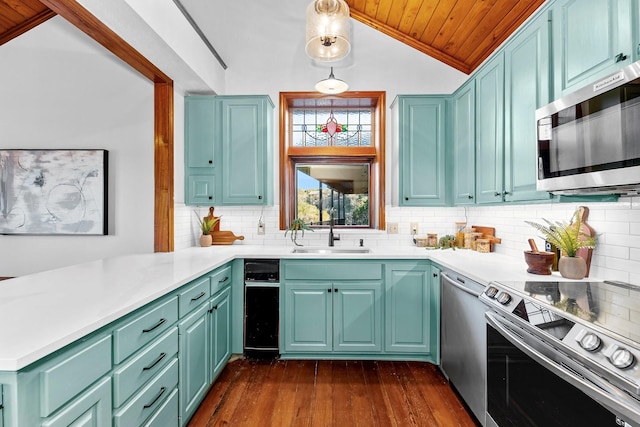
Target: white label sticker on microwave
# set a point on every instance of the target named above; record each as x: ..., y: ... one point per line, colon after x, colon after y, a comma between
x: 608, y: 81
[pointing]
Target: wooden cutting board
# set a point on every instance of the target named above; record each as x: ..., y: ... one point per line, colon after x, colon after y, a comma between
x: 589, y: 231
x: 488, y: 233
x: 224, y: 237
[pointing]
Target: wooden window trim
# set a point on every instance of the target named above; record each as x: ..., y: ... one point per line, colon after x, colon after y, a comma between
x: 291, y: 155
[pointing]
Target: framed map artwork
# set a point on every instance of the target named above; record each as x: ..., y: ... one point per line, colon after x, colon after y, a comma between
x: 49, y: 192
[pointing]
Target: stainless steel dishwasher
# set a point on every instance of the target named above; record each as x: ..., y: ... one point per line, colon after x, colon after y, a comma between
x: 463, y: 343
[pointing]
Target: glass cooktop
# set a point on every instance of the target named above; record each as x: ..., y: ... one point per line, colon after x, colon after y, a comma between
x: 613, y: 306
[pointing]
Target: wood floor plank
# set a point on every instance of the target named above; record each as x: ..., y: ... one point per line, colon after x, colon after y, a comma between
x: 307, y: 393
x: 380, y: 404
x: 323, y: 404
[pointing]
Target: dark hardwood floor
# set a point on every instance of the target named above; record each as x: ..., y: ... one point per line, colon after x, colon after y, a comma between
x: 331, y: 393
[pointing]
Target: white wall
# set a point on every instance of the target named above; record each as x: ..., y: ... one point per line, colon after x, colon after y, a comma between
x: 59, y: 89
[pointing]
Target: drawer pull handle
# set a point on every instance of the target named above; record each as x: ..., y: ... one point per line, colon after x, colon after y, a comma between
x: 157, y: 325
x: 149, y: 405
x: 224, y: 280
x: 162, y: 356
x: 198, y: 297
x: 621, y: 57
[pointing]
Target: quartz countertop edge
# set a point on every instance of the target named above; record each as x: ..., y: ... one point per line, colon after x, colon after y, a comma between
x: 43, y: 312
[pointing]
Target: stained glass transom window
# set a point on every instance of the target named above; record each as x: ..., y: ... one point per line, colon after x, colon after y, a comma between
x: 325, y: 128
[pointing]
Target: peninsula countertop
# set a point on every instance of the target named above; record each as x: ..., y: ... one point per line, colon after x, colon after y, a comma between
x: 43, y: 312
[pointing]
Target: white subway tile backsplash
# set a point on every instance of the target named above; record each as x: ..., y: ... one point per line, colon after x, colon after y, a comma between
x: 617, y: 225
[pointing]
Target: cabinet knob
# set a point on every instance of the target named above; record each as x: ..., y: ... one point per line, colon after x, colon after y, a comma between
x: 497, y: 193
x: 210, y: 162
x: 505, y: 193
x: 259, y: 197
x: 470, y: 196
x: 621, y: 57
x: 210, y: 197
x: 435, y: 274
x: 335, y: 290
x: 406, y: 198
x: 329, y: 290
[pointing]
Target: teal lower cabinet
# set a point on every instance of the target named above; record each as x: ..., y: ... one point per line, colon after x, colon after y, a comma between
x: 194, y: 354
x: 333, y: 317
x: 411, y: 309
x: 377, y: 310
x: 150, y: 368
x: 219, y: 332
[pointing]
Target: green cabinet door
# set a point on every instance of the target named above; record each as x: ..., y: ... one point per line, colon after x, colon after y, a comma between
x: 194, y: 357
x: 489, y: 132
x: 410, y: 309
x: 463, y: 133
x: 92, y: 408
x: 308, y: 317
x: 200, y: 189
x: 357, y: 317
x: 591, y: 38
x: 245, y: 132
x: 421, y: 137
x: 199, y: 132
x: 527, y: 71
x: 219, y: 332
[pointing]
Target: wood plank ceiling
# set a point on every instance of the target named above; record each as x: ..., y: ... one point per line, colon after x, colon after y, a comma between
x: 460, y: 33
x: 19, y: 16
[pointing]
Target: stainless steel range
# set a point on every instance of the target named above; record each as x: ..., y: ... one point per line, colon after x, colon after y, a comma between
x: 563, y: 353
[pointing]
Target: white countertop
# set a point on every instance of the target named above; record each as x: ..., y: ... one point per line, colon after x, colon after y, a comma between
x: 43, y: 312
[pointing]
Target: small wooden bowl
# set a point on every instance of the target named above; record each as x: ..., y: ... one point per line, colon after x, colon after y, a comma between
x: 539, y: 262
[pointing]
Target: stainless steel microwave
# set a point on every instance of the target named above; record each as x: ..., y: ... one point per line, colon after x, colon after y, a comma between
x: 589, y: 141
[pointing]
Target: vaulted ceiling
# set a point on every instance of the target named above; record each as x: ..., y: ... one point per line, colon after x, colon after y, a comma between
x: 460, y: 33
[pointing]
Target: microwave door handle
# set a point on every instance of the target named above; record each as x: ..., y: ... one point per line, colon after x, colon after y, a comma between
x: 459, y: 286
x: 588, y: 383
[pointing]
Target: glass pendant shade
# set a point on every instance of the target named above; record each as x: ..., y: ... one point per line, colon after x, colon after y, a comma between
x: 331, y: 85
x: 327, y: 30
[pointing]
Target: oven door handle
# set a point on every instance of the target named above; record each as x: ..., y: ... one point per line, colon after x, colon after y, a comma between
x: 601, y: 391
x: 453, y: 283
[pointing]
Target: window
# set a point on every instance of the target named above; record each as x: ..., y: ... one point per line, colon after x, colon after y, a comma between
x: 332, y: 159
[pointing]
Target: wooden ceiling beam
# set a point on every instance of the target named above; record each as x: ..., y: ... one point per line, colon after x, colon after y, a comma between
x: 26, y: 26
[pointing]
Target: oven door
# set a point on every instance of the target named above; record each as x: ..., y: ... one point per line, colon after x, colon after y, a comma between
x: 529, y: 383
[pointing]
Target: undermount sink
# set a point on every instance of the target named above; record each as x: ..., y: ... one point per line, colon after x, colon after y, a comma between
x: 331, y: 250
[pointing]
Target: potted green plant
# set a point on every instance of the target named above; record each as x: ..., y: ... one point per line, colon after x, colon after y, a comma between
x: 295, y: 226
x: 206, y: 225
x: 569, y: 238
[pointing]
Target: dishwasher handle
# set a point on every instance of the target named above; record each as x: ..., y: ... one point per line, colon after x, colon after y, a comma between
x: 460, y: 286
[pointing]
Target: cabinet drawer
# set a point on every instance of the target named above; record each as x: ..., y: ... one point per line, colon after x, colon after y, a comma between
x: 220, y: 279
x: 143, y: 328
x: 150, y: 398
x: 69, y: 375
x: 193, y: 295
x: 93, y: 408
x: 349, y: 270
x: 167, y: 415
x: 142, y: 367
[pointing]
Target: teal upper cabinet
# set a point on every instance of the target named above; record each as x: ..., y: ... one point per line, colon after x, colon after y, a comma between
x: 228, y: 150
x: 591, y: 38
x: 463, y: 140
x: 489, y: 132
x: 421, y: 145
x: 527, y: 71
x: 246, y: 133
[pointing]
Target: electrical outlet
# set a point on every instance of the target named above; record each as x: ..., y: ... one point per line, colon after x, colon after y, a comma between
x: 392, y: 228
x: 414, y: 228
x: 260, y: 228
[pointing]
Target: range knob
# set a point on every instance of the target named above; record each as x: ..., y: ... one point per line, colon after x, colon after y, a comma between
x: 504, y: 298
x: 590, y: 342
x: 491, y: 292
x: 622, y: 358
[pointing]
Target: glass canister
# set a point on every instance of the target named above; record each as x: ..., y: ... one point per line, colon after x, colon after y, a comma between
x: 468, y: 237
x: 483, y: 245
x: 432, y: 240
x: 474, y: 240
x: 460, y: 225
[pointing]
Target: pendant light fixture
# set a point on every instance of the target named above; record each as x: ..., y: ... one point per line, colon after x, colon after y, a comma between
x: 327, y: 30
x: 331, y: 85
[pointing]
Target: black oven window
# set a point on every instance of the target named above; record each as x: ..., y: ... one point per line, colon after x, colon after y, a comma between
x: 522, y: 393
